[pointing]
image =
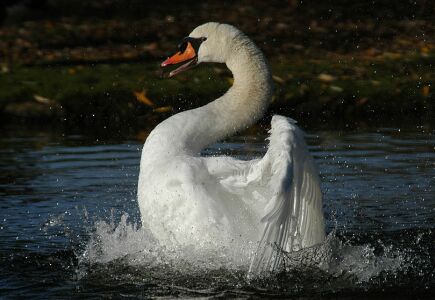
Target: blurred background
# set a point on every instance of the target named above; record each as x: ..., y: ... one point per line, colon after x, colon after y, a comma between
x: 96, y: 63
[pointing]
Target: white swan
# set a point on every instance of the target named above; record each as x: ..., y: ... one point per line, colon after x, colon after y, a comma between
x: 206, y: 202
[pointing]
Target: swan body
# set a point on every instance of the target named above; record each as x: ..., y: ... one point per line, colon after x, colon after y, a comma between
x: 262, y: 204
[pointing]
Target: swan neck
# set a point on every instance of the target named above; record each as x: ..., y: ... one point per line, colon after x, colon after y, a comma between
x: 247, y: 100
x: 241, y: 106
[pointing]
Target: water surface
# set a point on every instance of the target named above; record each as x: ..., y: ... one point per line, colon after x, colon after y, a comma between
x: 69, y: 219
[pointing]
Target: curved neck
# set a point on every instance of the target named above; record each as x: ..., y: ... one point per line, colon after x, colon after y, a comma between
x: 241, y: 106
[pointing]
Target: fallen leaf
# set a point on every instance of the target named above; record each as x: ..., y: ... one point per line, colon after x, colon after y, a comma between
x: 142, y: 98
x: 151, y: 46
x: 372, y: 52
x: 42, y: 99
x: 278, y: 79
x: 162, y: 109
x: 281, y: 26
x: 425, y: 50
x: 392, y: 55
x: 326, y: 77
x: 336, y: 88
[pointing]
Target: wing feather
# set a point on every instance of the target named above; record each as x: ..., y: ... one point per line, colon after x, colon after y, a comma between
x: 295, y: 220
x: 284, y: 189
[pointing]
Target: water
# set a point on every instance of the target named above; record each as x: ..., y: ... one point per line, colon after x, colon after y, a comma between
x: 69, y: 221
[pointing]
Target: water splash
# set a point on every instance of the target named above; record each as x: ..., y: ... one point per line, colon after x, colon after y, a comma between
x: 111, y: 241
x: 132, y: 245
x: 362, y: 261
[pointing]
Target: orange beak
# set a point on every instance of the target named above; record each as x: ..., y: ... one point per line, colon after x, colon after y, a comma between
x: 179, y: 57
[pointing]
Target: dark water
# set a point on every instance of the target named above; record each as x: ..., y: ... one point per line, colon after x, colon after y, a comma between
x: 68, y: 220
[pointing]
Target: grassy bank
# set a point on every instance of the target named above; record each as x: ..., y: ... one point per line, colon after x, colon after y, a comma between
x: 332, y: 61
x: 322, y: 88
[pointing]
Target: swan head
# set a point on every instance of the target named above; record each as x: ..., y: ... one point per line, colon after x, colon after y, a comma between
x: 210, y: 42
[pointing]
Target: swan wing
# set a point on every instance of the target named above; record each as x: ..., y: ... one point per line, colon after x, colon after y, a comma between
x: 294, y: 218
x: 284, y: 188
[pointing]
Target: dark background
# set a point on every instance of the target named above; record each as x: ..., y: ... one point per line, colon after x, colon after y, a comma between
x: 96, y: 62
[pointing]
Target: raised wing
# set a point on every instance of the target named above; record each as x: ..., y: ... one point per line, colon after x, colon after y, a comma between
x: 295, y: 219
x: 285, y: 181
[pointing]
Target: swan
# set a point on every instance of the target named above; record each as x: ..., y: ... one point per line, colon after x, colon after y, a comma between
x: 272, y: 203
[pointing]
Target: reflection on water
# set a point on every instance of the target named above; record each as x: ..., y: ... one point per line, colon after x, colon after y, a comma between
x: 64, y: 229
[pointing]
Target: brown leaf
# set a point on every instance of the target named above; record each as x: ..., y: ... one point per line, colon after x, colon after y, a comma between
x: 278, y: 79
x: 162, y: 109
x: 392, y: 55
x: 425, y: 50
x: 42, y: 99
x: 372, y: 52
x: 326, y: 77
x: 142, y: 98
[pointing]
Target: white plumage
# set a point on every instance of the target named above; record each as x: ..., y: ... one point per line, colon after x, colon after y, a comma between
x: 262, y: 205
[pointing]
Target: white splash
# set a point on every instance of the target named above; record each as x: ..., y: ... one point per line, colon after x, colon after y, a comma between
x: 130, y: 244
x: 135, y: 245
x: 363, y: 263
